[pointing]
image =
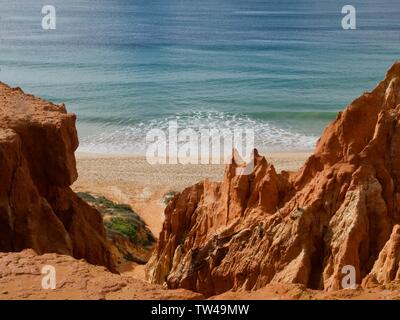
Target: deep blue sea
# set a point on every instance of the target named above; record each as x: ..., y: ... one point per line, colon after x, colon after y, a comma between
x: 282, y: 67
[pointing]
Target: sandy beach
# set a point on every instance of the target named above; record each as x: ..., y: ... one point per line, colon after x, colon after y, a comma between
x: 132, y: 180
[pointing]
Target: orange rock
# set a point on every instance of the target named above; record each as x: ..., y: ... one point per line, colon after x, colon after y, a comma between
x: 294, y: 227
x: 38, y: 210
x: 21, y: 278
x: 387, y: 268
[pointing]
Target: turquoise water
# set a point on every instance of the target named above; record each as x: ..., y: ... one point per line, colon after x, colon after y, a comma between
x: 283, y: 68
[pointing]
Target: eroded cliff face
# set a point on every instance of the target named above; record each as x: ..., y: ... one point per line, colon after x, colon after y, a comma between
x: 38, y: 209
x: 296, y: 227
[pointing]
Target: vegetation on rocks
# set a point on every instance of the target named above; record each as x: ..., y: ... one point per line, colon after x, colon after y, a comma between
x: 125, y: 228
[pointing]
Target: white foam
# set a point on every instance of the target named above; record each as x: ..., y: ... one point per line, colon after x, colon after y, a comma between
x: 132, y: 139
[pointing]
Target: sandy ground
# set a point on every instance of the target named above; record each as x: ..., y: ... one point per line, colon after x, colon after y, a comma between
x: 132, y: 180
x: 76, y: 279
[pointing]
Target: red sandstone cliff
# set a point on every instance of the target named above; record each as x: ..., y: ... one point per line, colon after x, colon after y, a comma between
x: 339, y: 209
x: 38, y: 209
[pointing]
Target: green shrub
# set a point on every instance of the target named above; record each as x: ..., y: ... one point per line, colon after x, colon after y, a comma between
x: 125, y: 227
x: 121, y: 219
x: 169, y: 195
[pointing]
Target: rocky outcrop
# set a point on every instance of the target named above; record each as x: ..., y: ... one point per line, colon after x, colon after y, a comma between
x: 38, y: 209
x: 22, y: 276
x: 386, y: 269
x: 295, y: 227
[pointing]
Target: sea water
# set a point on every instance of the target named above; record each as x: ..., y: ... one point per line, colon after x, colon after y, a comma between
x: 282, y: 67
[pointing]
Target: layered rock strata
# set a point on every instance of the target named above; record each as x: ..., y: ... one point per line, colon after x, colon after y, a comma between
x: 38, y: 209
x: 303, y: 227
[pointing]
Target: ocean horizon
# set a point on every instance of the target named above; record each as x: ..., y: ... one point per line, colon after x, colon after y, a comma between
x: 282, y: 68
